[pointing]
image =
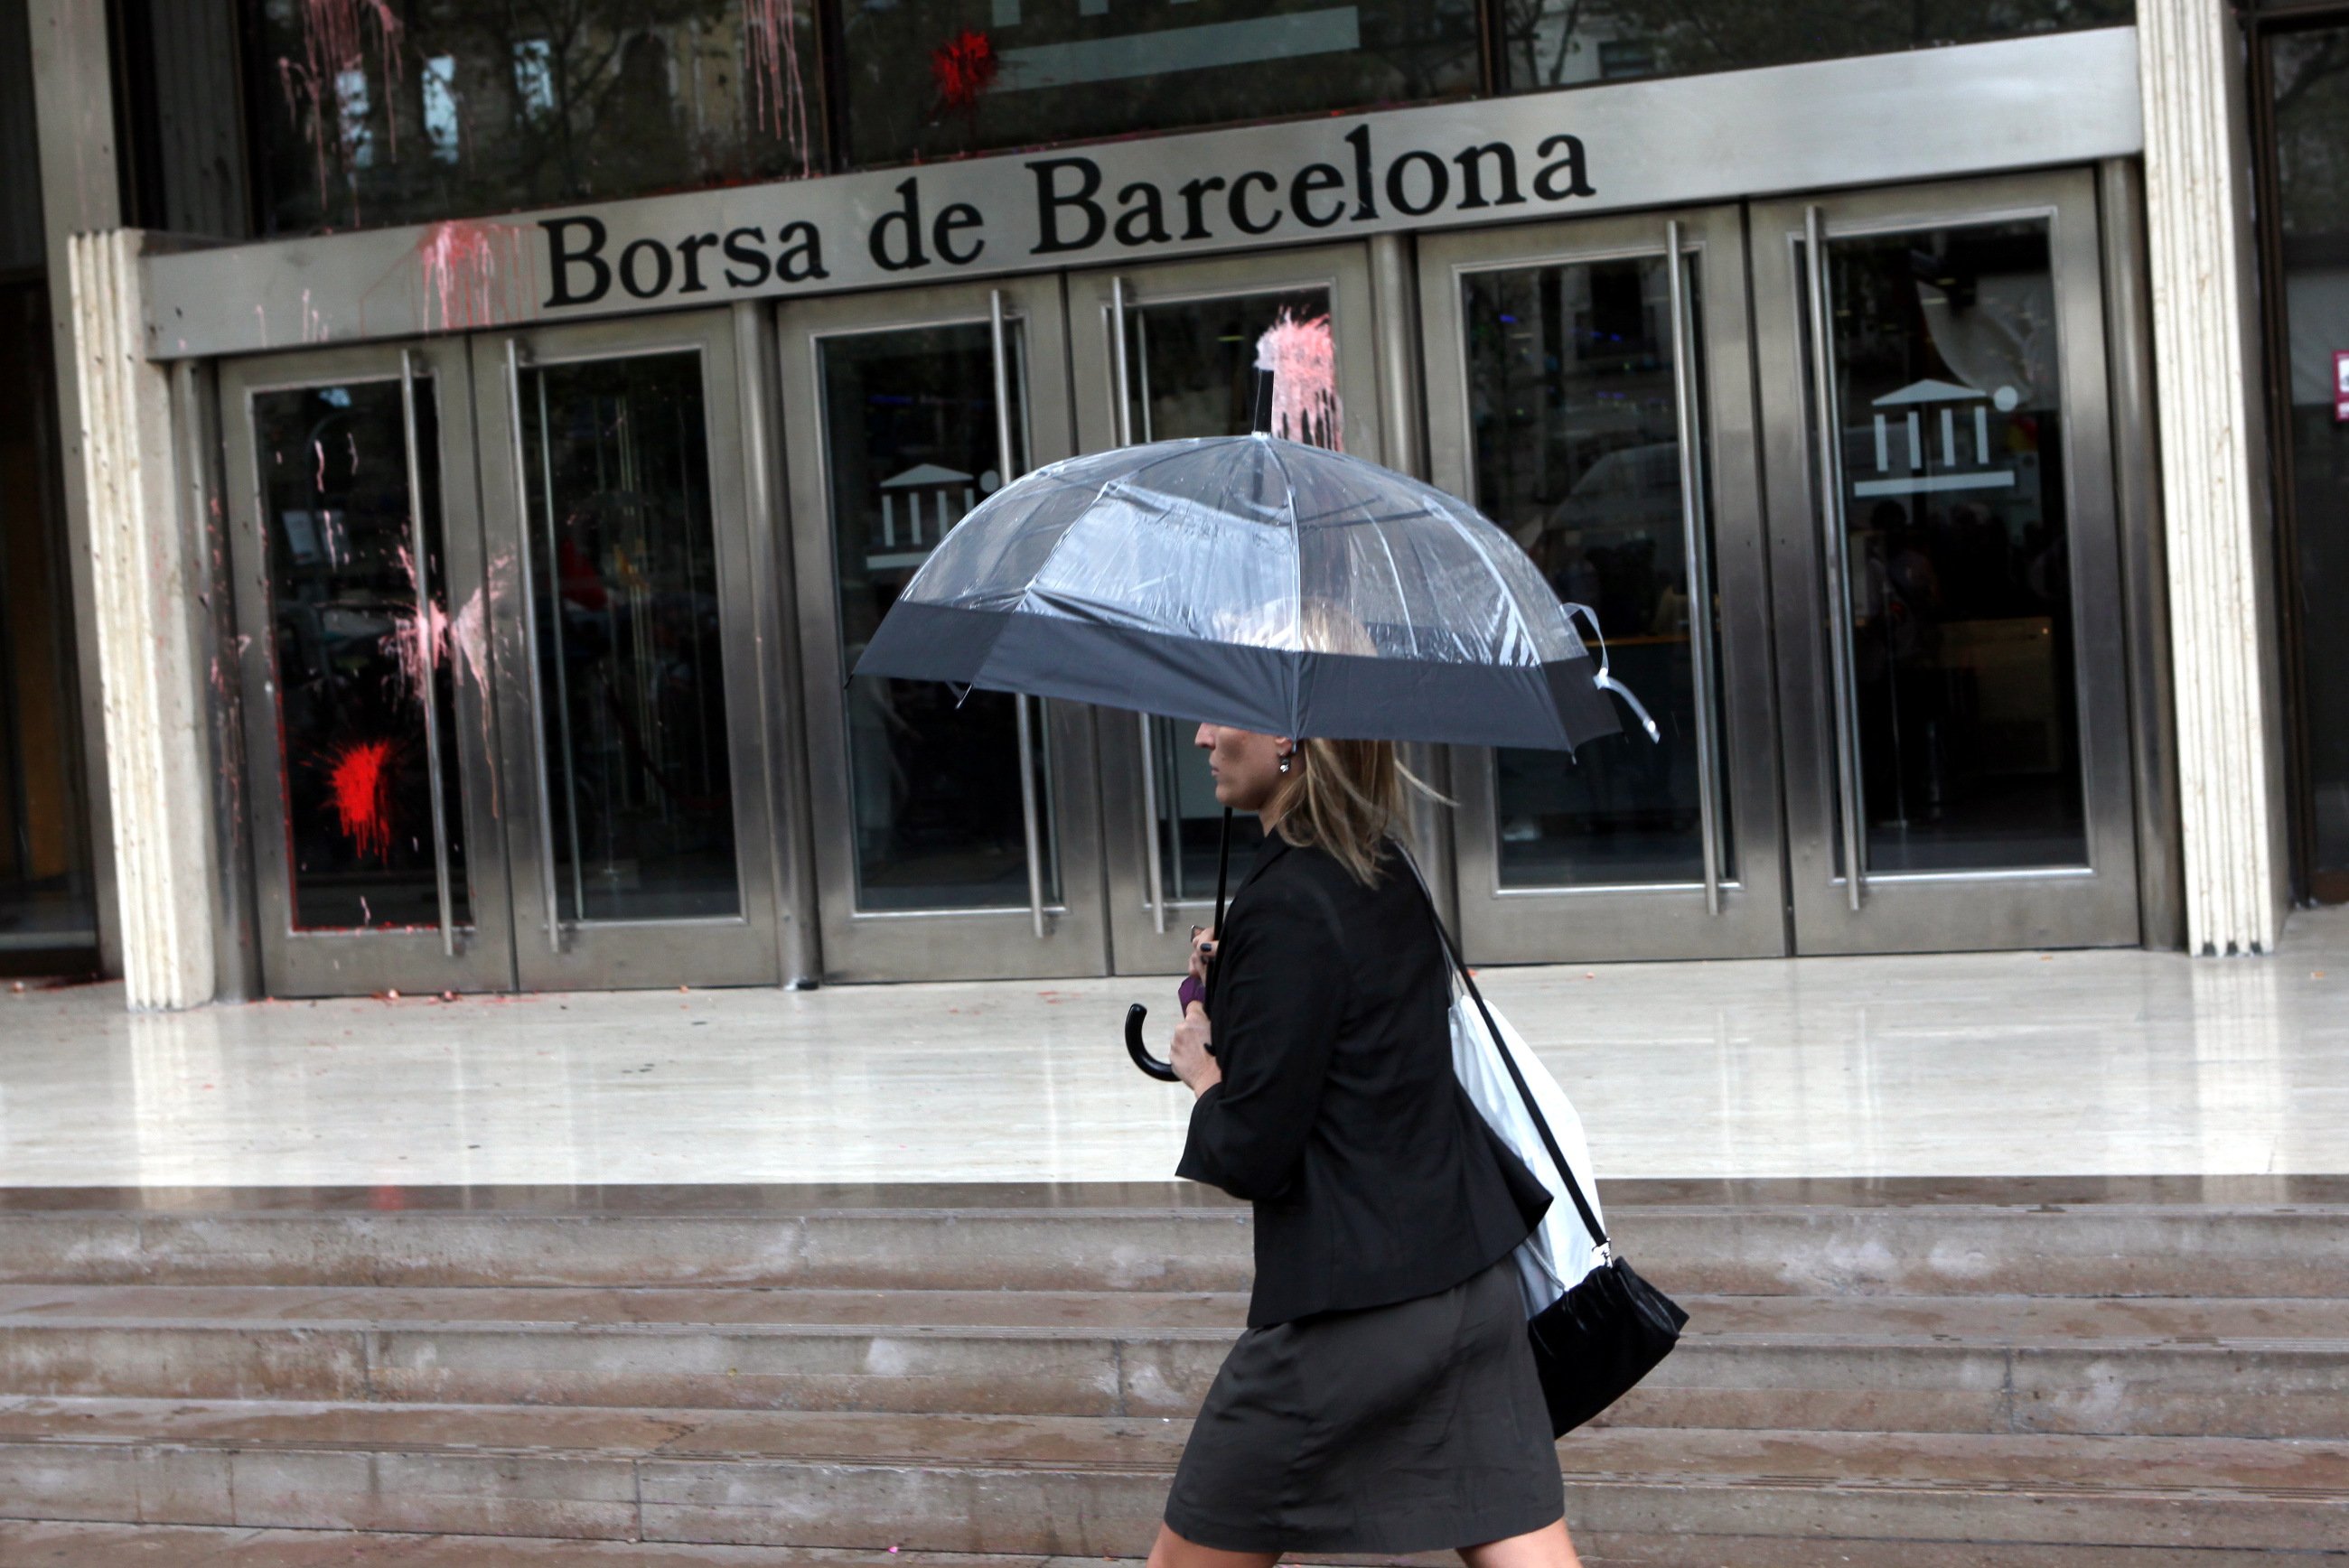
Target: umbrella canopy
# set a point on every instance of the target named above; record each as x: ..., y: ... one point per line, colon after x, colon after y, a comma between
x: 1251, y: 581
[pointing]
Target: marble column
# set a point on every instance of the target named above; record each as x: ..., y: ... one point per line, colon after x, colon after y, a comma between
x: 2222, y: 621
x: 151, y: 692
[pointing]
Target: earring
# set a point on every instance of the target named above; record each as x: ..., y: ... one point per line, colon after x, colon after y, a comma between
x: 1284, y: 762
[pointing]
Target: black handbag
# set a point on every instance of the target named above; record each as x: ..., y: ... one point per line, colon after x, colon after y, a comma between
x: 1598, y: 1339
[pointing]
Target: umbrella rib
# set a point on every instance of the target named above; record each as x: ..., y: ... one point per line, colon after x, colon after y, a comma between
x: 1296, y: 552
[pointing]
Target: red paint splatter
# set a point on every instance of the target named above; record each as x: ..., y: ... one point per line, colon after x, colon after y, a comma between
x: 478, y: 274
x: 334, y: 50
x: 964, y: 69
x: 1303, y: 359
x: 358, y: 777
x: 771, y: 41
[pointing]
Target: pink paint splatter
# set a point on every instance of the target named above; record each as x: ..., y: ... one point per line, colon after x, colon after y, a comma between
x: 415, y: 643
x: 771, y: 41
x: 358, y: 781
x: 1303, y: 359
x: 478, y: 274
x: 334, y: 49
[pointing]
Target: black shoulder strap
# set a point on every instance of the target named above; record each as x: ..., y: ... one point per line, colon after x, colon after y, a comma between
x: 1508, y: 1058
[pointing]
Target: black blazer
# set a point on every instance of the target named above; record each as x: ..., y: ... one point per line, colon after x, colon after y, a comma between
x: 1374, y: 1177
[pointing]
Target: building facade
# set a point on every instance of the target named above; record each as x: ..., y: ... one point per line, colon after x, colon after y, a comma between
x: 484, y: 436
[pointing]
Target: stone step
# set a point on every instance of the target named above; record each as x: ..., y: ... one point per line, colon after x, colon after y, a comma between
x: 1785, y: 1248
x: 2146, y: 1366
x: 1045, y: 1485
x: 24, y: 1546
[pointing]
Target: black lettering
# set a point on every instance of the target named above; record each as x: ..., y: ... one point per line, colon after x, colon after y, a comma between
x: 562, y: 258
x: 799, y: 252
x: 1472, y: 175
x: 1312, y: 178
x: 908, y: 218
x: 953, y: 221
x: 742, y: 248
x: 1240, y: 201
x: 690, y: 248
x: 1194, y: 191
x: 1048, y: 203
x: 1151, y: 228
x: 1439, y: 183
x: 1365, y: 210
x: 663, y: 268
x: 1578, y: 185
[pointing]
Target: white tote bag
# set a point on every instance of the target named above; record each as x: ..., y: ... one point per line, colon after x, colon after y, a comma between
x: 1561, y: 1251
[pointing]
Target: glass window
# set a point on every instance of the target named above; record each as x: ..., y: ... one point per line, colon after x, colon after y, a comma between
x: 369, y: 113
x: 933, y: 771
x: 1577, y: 455
x: 1957, y: 547
x: 616, y: 459
x: 46, y: 902
x: 931, y: 80
x: 1569, y: 43
x: 351, y: 654
x: 2311, y: 75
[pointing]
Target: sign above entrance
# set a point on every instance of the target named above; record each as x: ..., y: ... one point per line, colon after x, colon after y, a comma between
x: 2065, y: 98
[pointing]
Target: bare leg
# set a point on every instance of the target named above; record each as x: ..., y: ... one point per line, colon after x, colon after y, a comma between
x: 1545, y: 1548
x: 1170, y: 1550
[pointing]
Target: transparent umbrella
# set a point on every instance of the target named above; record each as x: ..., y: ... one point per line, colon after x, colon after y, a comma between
x: 1256, y: 583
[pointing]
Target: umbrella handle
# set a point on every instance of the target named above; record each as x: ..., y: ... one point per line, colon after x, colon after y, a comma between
x: 1141, y: 1053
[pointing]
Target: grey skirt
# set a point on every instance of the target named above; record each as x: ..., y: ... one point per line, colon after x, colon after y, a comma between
x: 1407, y: 1428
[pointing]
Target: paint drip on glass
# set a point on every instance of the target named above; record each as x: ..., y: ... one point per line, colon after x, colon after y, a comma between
x: 477, y: 273
x: 332, y: 80
x: 359, y: 783
x: 1303, y: 358
x: 778, y: 96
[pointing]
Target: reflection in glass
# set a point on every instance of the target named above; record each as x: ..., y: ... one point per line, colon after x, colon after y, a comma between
x: 934, y: 777
x: 349, y: 652
x: 1958, y: 550
x: 1188, y: 373
x: 631, y: 678
x: 1577, y: 454
x: 2311, y: 139
x: 960, y: 76
x: 1570, y: 42
x: 370, y: 114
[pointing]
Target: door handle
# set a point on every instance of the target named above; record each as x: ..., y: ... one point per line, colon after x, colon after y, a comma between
x: 529, y: 653
x: 428, y: 656
x: 1836, y: 553
x: 1030, y: 827
x: 1699, y: 566
x: 1123, y: 426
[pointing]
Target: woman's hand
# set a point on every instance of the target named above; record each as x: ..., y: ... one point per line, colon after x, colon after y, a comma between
x: 1193, y: 1064
x: 1202, y: 947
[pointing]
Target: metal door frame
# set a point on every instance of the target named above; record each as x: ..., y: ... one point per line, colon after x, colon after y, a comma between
x: 993, y: 943
x: 1151, y: 936
x: 1744, y: 917
x: 477, y: 956
x: 2090, y: 905
x: 740, y: 949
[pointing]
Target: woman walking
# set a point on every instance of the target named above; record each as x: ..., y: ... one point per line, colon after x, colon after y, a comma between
x: 1383, y: 1398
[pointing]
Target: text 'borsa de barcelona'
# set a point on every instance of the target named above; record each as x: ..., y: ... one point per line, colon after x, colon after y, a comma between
x: 1072, y: 209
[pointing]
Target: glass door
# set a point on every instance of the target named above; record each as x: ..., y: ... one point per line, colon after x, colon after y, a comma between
x: 1166, y: 352
x: 371, y: 732
x: 623, y: 623
x: 1944, y: 561
x: 956, y: 834
x: 1594, y: 399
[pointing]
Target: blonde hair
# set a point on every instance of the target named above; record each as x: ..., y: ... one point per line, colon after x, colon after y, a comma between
x: 1346, y: 798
